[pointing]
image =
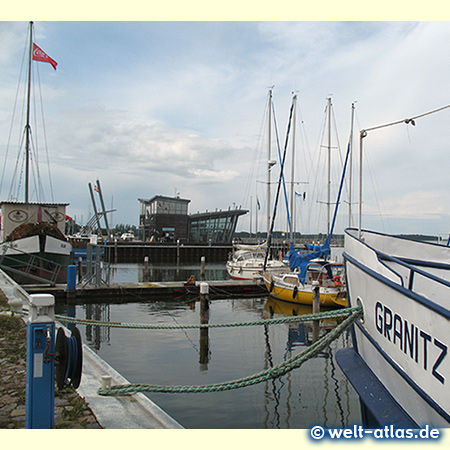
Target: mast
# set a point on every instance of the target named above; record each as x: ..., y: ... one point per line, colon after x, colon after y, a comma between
x: 27, y: 126
x: 351, y: 168
x: 294, y: 100
x: 269, y: 139
x: 329, y: 167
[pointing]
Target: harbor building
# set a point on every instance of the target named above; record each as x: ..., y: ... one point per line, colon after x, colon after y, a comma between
x: 166, y: 219
x: 216, y: 227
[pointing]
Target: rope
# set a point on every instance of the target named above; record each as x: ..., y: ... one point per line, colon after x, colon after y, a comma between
x: 304, y: 318
x: 271, y: 373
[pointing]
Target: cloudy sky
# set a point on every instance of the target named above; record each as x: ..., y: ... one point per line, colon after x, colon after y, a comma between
x: 153, y: 108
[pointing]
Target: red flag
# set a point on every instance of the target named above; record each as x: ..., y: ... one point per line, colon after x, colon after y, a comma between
x: 40, y: 55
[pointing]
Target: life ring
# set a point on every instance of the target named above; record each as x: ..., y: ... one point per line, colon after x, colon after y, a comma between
x: 337, y: 281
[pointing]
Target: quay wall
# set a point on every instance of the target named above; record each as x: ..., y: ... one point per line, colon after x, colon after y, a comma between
x: 135, y: 252
x: 171, y: 253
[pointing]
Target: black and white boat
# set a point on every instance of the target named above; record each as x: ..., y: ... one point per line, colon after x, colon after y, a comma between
x: 33, y: 246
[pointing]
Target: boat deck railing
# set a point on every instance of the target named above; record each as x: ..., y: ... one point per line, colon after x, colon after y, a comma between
x: 28, y: 267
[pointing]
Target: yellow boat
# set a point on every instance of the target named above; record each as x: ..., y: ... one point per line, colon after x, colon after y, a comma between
x: 288, y: 288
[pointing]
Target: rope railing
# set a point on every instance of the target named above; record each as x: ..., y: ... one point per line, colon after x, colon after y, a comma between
x: 270, y: 373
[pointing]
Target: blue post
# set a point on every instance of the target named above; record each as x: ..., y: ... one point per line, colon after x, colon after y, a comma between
x: 71, y: 278
x: 71, y: 291
x: 40, y: 376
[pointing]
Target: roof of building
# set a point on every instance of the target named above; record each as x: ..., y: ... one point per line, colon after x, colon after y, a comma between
x: 226, y: 213
x: 32, y: 203
x: 163, y: 197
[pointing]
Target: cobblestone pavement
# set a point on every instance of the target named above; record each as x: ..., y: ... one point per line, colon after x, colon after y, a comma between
x: 71, y: 411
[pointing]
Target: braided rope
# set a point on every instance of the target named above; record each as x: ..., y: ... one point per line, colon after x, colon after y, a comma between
x: 304, y: 318
x: 271, y: 373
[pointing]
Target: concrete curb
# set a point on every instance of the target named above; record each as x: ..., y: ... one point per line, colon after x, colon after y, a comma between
x: 119, y: 412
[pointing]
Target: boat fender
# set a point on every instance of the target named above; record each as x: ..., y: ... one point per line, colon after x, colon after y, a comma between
x: 272, y: 285
x: 337, y: 281
x: 294, y: 293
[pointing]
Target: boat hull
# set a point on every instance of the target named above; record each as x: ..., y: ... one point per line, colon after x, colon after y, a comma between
x: 249, y: 265
x: 41, y: 256
x: 303, y: 294
x: 403, y: 337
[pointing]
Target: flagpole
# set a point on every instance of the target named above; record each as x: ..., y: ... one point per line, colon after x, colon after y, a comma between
x: 27, y: 126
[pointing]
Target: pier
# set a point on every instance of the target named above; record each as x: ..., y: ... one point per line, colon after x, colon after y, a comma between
x: 125, y: 292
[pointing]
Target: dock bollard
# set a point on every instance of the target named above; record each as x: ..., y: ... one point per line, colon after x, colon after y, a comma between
x: 204, y: 302
x: 204, y: 332
x: 202, y: 268
x: 106, y: 382
x: 71, y: 281
x: 40, y: 373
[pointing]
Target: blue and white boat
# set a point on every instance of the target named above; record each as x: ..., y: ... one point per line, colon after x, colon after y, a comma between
x: 400, y: 364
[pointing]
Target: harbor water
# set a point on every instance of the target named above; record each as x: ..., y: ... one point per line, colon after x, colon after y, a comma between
x: 316, y: 393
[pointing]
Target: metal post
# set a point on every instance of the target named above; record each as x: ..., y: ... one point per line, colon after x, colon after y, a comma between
x: 40, y: 376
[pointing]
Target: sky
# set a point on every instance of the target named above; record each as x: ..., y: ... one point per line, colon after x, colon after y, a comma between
x: 180, y: 108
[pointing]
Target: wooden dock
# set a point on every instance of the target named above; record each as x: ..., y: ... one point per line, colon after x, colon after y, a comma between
x: 166, y: 291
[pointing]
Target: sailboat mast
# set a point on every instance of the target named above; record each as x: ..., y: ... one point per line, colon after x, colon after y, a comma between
x: 269, y: 141
x: 329, y: 167
x: 294, y: 100
x: 27, y: 126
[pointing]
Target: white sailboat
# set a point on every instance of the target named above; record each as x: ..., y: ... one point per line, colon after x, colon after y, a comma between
x: 34, y: 247
x: 247, y: 261
x: 312, y: 264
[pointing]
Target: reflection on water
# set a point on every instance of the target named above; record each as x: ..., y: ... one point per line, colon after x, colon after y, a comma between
x: 315, y: 393
x: 134, y: 273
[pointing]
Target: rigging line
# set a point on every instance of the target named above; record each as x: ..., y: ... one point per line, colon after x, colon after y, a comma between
x: 14, y: 179
x: 269, y: 237
x: 44, y: 131
x: 339, y: 195
x: 34, y: 153
x: 316, y: 214
x: 38, y: 189
x: 14, y: 112
x: 279, y: 156
x: 256, y: 153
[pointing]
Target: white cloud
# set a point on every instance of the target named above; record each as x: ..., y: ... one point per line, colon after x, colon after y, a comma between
x: 183, y: 105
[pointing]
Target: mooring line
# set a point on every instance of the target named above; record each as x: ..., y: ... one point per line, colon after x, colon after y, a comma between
x: 271, y: 373
x: 274, y: 321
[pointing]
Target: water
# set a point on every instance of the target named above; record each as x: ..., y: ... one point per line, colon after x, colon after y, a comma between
x: 134, y: 273
x: 315, y: 393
